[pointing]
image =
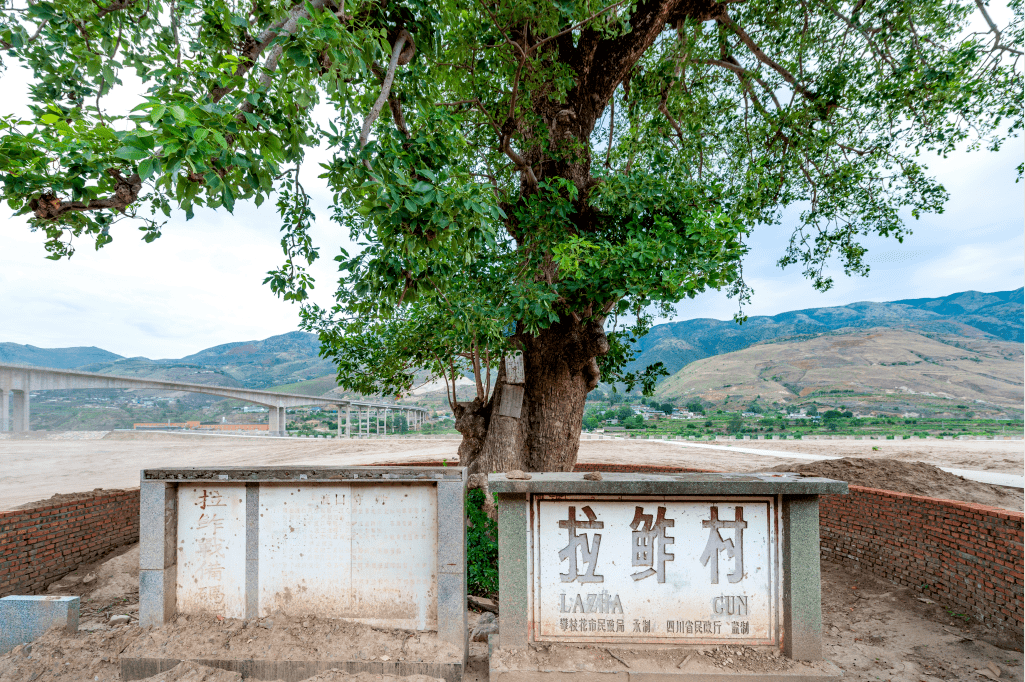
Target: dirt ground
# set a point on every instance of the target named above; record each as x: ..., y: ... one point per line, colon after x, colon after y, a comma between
x: 1006, y: 456
x: 872, y: 629
x: 913, y: 478
x: 39, y: 467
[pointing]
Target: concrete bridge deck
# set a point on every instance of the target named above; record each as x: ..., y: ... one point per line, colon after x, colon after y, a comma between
x: 17, y: 382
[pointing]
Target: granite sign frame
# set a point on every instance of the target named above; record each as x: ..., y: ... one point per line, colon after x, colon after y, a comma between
x: 231, y: 540
x: 791, y: 500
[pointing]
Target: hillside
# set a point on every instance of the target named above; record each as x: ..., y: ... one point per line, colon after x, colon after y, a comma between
x: 968, y: 314
x: 291, y: 363
x: 874, y: 369
x: 278, y: 360
x: 59, y: 358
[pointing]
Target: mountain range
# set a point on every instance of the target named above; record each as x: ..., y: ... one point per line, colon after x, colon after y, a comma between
x: 970, y: 314
x: 292, y: 358
x: 283, y: 359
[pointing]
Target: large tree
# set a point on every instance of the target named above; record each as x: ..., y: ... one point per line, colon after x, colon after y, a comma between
x: 532, y: 179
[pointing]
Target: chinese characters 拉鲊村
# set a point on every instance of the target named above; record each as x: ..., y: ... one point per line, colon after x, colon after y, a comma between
x: 716, y: 544
x: 588, y: 551
x: 649, y: 543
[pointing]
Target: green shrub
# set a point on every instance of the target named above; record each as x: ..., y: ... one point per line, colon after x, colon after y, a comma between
x: 481, y: 548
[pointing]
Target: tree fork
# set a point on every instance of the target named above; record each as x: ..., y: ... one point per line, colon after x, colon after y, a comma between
x: 560, y: 369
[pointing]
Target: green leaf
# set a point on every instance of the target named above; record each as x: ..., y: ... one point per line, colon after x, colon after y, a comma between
x: 177, y: 112
x: 49, y: 119
x: 146, y: 169
x: 131, y: 153
x: 228, y: 197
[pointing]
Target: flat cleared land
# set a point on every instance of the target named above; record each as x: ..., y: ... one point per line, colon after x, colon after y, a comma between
x: 42, y: 465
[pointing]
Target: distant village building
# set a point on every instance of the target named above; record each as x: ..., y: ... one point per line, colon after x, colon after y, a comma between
x: 197, y: 426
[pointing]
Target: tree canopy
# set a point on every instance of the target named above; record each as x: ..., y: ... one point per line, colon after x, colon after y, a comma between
x: 546, y: 177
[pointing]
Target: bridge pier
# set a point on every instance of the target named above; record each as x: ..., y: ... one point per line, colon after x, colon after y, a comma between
x: 18, y: 381
x: 21, y: 411
x: 277, y: 421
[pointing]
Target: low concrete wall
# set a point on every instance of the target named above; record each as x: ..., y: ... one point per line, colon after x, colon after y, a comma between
x: 969, y: 555
x: 42, y: 544
x: 966, y: 557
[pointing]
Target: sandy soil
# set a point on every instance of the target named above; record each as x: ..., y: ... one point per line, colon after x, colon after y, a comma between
x: 1007, y: 456
x: 37, y: 468
x: 872, y: 629
x: 282, y: 638
x: 913, y: 478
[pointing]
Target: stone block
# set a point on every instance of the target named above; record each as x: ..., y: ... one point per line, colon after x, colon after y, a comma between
x: 513, y: 573
x: 134, y: 668
x: 158, y: 524
x: 24, y: 618
x: 252, y: 589
x: 452, y: 622
x: 157, y: 596
x: 802, y: 591
x: 451, y: 534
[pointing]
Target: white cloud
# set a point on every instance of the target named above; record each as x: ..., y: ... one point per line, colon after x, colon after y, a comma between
x: 201, y: 283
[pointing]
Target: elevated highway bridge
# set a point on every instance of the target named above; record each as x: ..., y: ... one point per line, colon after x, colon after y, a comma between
x: 18, y: 382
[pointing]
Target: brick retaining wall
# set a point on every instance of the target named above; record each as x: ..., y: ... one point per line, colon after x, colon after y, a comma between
x: 969, y: 555
x: 966, y: 557
x: 42, y: 544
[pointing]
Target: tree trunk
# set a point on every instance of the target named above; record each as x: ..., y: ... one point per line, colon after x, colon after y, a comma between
x: 559, y: 370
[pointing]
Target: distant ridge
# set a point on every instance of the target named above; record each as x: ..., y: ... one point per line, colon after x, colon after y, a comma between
x: 294, y: 357
x: 283, y: 359
x: 970, y: 314
x: 58, y: 358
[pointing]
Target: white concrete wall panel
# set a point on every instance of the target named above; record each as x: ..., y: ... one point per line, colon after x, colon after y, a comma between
x: 395, y: 550
x: 212, y: 549
x: 305, y: 549
x: 364, y: 552
x: 655, y: 570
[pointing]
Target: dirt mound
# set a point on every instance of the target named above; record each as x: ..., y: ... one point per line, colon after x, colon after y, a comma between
x: 913, y: 478
x: 282, y: 638
x: 59, y: 657
x: 65, y: 498
x: 187, y: 671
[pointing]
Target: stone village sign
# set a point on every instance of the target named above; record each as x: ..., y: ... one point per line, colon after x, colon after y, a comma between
x: 643, y: 564
x: 658, y: 561
x: 653, y: 571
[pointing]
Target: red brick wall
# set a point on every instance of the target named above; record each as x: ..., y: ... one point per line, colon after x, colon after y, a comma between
x: 969, y: 555
x: 40, y: 545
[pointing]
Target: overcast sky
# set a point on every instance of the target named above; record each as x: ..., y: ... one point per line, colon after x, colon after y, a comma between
x: 201, y: 283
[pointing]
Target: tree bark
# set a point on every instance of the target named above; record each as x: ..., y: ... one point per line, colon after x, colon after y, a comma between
x: 560, y: 370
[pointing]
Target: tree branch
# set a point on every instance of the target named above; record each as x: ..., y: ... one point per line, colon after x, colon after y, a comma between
x: 743, y: 73
x: 995, y: 30
x: 288, y: 25
x: 521, y: 163
x: 764, y: 58
x: 389, y: 77
x: 578, y: 24
x: 126, y: 191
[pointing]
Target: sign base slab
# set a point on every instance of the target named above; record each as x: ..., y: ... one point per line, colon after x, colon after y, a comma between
x: 137, y: 668
x: 582, y: 662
